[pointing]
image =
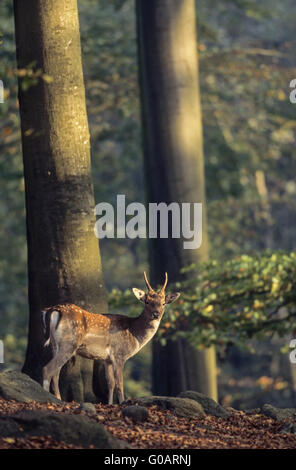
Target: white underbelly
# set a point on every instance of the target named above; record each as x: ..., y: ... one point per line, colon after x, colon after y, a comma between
x: 95, y: 347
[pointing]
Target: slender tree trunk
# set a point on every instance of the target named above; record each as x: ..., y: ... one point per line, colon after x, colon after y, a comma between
x: 63, y: 253
x: 174, y: 166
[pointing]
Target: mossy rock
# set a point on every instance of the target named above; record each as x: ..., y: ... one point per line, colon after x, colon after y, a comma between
x: 88, y: 407
x: 138, y: 414
x: 278, y: 413
x: 14, y: 385
x: 181, y: 407
x: 210, y: 406
x: 73, y: 429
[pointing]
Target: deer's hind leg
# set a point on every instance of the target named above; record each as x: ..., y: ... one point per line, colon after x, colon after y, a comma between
x: 52, y: 369
x: 118, y: 374
x: 110, y: 380
x: 55, y: 383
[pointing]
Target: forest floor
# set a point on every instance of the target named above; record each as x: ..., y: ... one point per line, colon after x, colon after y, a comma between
x: 163, y: 430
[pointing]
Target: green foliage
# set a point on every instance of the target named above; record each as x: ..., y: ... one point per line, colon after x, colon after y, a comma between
x: 246, y: 64
x: 13, y: 292
x: 251, y: 8
x: 249, y: 127
x: 232, y: 302
x: 14, y: 349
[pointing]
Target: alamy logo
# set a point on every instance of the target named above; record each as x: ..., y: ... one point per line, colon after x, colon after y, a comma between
x: 293, y: 92
x: 164, y: 220
x: 1, y: 352
x: 292, y: 355
x: 1, y: 92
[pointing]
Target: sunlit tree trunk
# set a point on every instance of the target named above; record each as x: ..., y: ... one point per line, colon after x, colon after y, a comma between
x: 63, y: 253
x: 174, y: 166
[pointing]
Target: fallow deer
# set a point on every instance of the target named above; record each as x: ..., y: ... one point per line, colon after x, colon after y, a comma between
x: 110, y: 338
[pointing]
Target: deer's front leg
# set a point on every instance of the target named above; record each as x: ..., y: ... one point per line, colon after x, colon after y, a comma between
x: 110, y: 381
x: 118, y: 373
x: 46, y: 380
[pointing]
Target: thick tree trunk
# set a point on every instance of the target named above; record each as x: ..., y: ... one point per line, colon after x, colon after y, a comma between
x: 63, y: 253
x: 174, y: 166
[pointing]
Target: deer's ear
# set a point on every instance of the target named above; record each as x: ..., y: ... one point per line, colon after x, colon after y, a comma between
x: 170, y: 298
x: 140, y: 294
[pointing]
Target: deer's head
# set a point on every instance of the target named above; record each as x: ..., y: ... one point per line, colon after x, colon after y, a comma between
x: 155, y: 302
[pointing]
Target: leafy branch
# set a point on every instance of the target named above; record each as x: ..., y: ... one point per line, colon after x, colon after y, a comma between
x: 246, y: 297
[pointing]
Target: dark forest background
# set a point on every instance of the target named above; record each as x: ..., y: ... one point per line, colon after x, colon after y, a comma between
x: 247, y: 60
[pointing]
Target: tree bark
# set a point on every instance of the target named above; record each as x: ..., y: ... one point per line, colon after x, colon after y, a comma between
x: 63, y: 253
x: 174, y: 166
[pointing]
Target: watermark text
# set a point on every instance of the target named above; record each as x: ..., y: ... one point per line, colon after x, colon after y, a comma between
x: 292, y: 355
x: 1, y: 352
x: 1, y: 92
x: 160, y: 220
x: 293, y: 92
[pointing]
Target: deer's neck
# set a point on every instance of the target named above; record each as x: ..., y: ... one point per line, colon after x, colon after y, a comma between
x: 144, y: 327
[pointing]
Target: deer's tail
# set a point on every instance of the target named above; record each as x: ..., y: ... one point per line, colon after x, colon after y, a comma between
x: 50, y: 319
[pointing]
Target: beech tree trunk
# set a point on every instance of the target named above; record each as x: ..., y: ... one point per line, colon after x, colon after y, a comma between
x: 63, y: 253
x: 174, y: 167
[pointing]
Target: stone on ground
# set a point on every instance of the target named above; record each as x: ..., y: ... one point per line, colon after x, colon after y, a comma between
x: 72, y: 429
x: 181, y: 407
x: 14, y: 385
x: 210, y: 406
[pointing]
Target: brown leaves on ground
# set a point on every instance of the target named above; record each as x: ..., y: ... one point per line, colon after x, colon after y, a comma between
x: 43, y: 442
x: 163, y: 430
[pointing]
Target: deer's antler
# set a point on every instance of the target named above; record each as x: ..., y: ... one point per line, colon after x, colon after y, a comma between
x: 165, y: 282
x: 147, y: 283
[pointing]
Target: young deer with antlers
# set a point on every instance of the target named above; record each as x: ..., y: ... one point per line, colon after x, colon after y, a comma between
x: 110, y: 338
